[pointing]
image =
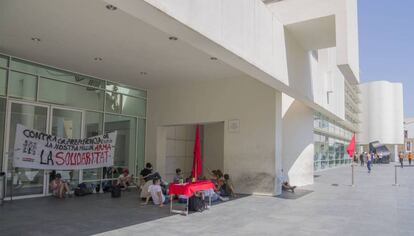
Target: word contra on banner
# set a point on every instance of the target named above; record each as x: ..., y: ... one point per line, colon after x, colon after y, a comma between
x: 39, y: 150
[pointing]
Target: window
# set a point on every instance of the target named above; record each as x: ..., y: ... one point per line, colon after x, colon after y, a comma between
x: 93, y: 126
x: 125, y: 140
x: 3, y: 61
x: 2, y: 128
x: 22, y: 85
x: 72, y: 95
x: 3, y: 81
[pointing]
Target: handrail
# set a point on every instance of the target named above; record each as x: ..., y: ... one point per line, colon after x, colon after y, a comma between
x: 395, y: 173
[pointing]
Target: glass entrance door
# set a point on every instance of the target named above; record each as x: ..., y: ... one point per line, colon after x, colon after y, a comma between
x: 22, y: 181
x: 67, y: 124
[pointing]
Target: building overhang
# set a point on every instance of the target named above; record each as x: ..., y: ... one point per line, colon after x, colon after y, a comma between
x: 86, y: 37
x: 320, y: 24
x: 314, y: 33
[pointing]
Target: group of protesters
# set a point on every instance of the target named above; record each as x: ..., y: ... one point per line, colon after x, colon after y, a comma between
x: 153, y: 187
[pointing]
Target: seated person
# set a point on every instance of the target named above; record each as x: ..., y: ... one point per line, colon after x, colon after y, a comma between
x: 156, y: 194
x: 285, y: 183
x: 227, y: 188
x: 124, y: 180
x: 178, y: 178
x: 148, y: 174
x: 59, y: 187
x: 209, y: 193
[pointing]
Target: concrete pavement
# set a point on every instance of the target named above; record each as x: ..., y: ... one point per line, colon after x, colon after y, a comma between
x: 372, y: 207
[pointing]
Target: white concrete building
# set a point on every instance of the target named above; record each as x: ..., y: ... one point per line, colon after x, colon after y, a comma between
x: 274, y: 83
x: 382, y: 117
x: 408, y: 134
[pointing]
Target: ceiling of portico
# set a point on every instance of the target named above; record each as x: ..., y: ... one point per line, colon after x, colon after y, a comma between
x: 73, y: 33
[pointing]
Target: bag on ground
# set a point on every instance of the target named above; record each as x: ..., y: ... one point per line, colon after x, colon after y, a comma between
x: 83, y: 189
x: 195, y: 204
x: 116, y: 192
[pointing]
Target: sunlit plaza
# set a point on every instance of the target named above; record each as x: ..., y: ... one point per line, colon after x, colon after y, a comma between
x: 196, y: 117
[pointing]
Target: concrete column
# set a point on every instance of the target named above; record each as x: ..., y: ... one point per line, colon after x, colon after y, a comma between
x: 278, y: 142
x: 298, y: 150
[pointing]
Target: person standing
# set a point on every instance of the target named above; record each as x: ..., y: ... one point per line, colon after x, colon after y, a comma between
x: 401, y: 159
x: 410, y: 157
x: 372, y: 158
x: 380, y: 157
x: 369, y: 161
x: 361, y: 158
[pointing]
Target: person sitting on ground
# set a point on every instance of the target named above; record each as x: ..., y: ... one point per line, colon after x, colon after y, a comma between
x: 156, y: 194
x: 285, y: 183
x: 59, y: 186
x: 214, y: 194
x: 146, y: 173
x: 217, y: 178
x: 227, y: 186
x: 178, y: 178
x: 124, y: 180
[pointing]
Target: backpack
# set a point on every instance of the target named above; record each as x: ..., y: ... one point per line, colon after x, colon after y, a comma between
x: 83, y: 189
x: 116, y: 191
x: 196, y: 204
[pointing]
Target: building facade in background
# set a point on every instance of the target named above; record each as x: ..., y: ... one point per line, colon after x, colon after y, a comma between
x: 382, y: 117
x: 408, y: 135
x: 275, y: 85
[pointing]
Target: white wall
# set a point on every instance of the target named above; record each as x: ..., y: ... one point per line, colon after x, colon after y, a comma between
x: 245, y: 27
x: 382, y: 114
x: 250, y: 36
x: 249, y: 153
x: 179, y: 150
x: 298, y: 149
x: 346, y: 26
x: 326, y: 77
x: 213, y: 147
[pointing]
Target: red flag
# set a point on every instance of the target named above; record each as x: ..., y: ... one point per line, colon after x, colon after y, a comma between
x: 197, y: 164
x: 351, y: 147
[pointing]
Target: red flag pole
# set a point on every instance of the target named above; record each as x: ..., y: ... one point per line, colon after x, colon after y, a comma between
x: 351, y: 150
x: 351, y: 147
x: 197, y: 165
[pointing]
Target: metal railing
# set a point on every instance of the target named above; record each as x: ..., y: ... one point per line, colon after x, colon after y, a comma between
x: 396, y: 173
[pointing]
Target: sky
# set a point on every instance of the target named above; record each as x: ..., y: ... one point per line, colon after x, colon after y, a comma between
x: 386, y: 44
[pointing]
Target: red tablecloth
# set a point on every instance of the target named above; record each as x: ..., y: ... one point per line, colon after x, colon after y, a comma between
x: 188, y: 189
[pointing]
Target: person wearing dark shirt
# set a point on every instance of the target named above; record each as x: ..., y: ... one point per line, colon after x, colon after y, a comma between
x: 361, y: 158
x: 146, y: 172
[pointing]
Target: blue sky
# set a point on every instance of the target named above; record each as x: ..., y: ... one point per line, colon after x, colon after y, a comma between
x: 386, y: 44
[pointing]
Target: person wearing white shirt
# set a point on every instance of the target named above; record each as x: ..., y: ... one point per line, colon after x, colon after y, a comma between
x: 156, y: 193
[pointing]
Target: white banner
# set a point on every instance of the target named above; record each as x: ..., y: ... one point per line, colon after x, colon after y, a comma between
x: 39, y: 150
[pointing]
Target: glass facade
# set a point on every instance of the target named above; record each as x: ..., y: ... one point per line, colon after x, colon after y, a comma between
x: 68, y: 104
x: 330, y: 142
